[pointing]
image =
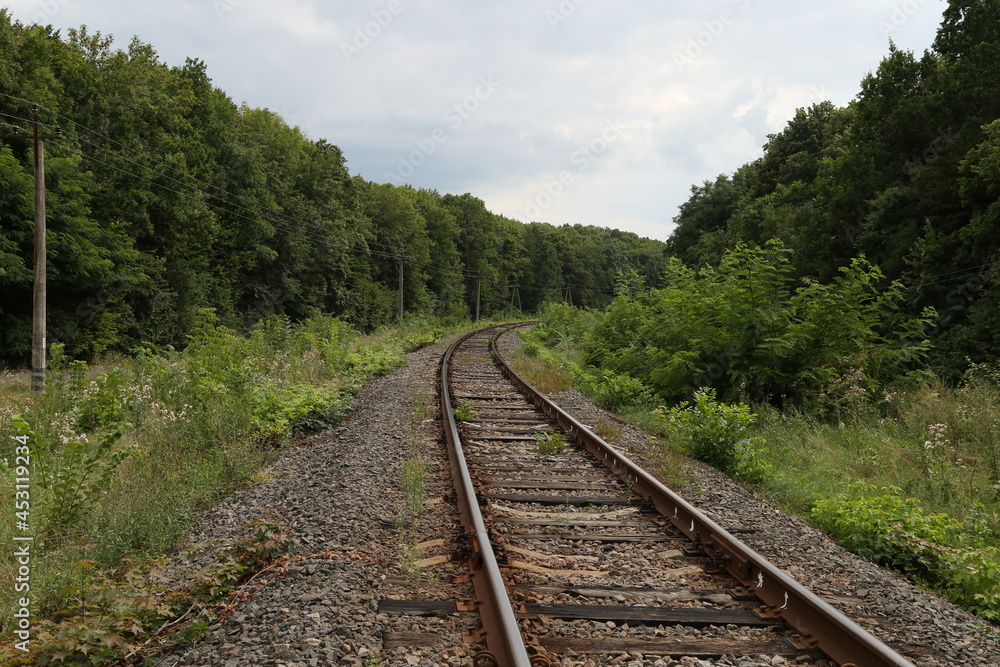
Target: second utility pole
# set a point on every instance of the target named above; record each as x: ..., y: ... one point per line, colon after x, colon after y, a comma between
x: 401, y: 290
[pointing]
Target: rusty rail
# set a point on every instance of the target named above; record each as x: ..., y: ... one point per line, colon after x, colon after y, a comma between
x: 821, y: 625
x: 505, y: 646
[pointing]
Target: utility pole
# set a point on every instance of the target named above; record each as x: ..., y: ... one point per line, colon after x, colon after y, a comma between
x: 401, y: 290
x: 479, y: 283
x: 38, y: 330
x: 515, y: 295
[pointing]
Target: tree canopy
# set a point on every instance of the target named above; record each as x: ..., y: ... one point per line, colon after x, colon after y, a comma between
x: 165, y: 197
x: 906, y: 175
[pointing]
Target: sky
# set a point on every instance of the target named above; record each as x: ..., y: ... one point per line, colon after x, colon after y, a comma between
x: 559, y: 111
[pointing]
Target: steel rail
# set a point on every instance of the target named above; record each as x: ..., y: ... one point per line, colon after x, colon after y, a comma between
x: 504, y: 643
x: 821, y: 626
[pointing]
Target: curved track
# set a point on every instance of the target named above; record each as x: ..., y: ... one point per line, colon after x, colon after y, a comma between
x: 544, y: 529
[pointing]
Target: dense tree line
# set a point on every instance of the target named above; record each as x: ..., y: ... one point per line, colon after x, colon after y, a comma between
x: 165, y: 197
x: 907, y: 174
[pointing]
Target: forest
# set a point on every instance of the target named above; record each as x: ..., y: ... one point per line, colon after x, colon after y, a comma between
x: 164, y: 197
x: 907, y: 175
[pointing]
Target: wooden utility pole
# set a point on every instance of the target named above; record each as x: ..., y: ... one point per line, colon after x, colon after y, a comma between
x: 479, y: 283
x: 38, y: 329
x: 400, y: 290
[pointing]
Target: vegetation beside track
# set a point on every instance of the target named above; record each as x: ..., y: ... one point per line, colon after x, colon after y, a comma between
x: 126, y: 455
x: 906, y: 471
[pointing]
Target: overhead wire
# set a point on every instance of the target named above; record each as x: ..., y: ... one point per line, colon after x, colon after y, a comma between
x: 367, y: 244
x: 956, y: 275
x: 236, y: 205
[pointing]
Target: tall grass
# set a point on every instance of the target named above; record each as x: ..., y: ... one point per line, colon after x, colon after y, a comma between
x: 935, y: 443
x: 195, y: 425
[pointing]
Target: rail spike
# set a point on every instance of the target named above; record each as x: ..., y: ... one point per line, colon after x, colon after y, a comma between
x: 485, y: 659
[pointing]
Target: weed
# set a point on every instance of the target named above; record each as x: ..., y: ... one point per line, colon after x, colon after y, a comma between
x: 411, y: 566
x: 608, y: 430
x: 667, y: 464
x: 414, y: 474
x: 550, y: 444
x: 464, y: 412
x: 629, y: 485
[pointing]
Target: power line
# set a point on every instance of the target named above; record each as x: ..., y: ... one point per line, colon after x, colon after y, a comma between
x: 964, y: 273
x: 241, y: 205
x: 235, y: 206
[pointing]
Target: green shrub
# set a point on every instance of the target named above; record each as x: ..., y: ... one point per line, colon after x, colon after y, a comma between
x: 614, y: 391
x: 883, y: 525
x: 971, y: 578
x: 749, y: 329
x: 713, y: 432
x: 869, y: 520
x: 71, y: 472
x: 550, y: 444
x: 464, y: 412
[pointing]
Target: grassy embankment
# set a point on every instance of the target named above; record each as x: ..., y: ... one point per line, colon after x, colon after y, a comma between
x: 127, y: 453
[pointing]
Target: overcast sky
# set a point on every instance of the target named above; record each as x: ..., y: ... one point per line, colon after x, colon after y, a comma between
x: 571, y: 111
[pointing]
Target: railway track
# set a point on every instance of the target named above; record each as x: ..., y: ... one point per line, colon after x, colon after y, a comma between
x: 575, y: 554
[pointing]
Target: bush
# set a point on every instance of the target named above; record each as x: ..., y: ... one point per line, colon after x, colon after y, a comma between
x: 883, y: 525
x: 749, y: 329
x: 714, y: 433
x: 614, y: 391
x: 124, y: 460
